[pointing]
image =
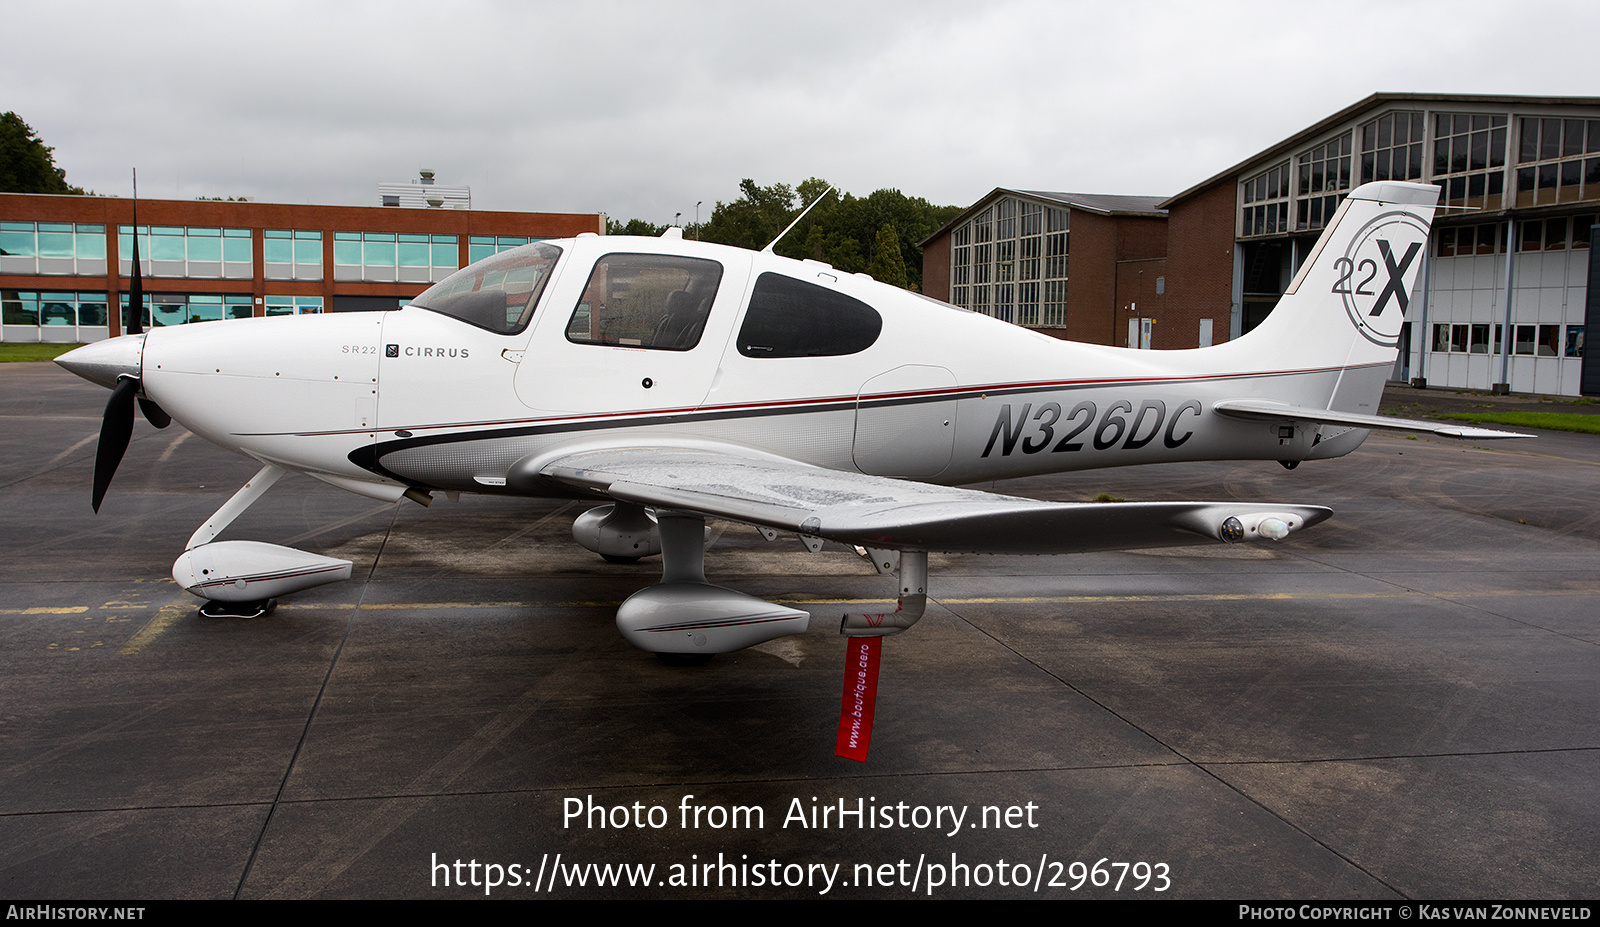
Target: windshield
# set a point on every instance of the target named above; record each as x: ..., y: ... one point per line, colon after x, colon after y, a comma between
x: 498, y: 293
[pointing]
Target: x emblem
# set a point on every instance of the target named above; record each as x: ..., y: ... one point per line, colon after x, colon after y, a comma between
x: 1396, y: 284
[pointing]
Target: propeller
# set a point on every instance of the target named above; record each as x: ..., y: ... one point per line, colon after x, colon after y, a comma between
x: 116, y: 427
x: 115, y: 431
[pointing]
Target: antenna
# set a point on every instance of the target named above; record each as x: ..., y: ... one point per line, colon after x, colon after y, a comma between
x: 774, y: 242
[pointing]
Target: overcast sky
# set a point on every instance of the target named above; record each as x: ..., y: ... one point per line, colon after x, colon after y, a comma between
x: 641, y: 109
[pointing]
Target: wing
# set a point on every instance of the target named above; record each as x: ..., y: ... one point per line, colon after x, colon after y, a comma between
x: 874, y: 511
x: 1261, y: 410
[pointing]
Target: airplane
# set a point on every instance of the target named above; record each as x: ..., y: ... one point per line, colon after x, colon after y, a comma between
x: 672, y: 381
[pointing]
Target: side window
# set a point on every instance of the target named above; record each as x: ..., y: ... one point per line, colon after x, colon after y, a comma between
x: 792, y: 318
x: 646, y: 301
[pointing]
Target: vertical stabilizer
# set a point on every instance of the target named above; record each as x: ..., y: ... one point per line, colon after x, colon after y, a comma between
x: 1347, y: 305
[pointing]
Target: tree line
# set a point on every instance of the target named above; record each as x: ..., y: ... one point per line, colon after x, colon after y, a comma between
x: 877, y: 234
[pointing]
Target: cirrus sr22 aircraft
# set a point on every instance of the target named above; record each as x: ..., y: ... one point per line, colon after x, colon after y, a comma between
x: 672, y: 381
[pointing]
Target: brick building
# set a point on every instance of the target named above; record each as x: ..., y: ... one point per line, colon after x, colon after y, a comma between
x: 64, y: 260
x: 1008, y: 256
x: 1507, y: 302
x: 1506, y: 299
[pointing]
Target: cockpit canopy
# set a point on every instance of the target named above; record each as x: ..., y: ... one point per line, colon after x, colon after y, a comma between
x: 497, y: 293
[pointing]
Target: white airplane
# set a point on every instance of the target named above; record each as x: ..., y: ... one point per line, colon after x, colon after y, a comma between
x: 673, y: 380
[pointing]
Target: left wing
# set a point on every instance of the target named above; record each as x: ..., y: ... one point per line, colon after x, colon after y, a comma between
x: 1262, y: 410
x: 880, y: 512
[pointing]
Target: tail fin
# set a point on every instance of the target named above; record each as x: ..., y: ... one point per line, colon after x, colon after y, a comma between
x: 1347, y: 305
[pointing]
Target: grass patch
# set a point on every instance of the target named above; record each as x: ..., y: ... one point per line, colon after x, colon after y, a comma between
x: 1107, y: 497
x: 13, y: 352
x: 1553, y: 421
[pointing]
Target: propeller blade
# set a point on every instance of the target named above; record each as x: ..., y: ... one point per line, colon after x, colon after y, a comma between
x: 136, y: 287
x: 153, y: 413
x: 116, y: 429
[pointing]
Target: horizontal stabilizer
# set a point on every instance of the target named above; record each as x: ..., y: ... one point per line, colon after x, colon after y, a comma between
x: 1260, y: 410
x: 879, y: 512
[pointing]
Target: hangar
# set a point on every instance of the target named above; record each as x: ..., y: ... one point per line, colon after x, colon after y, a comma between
x: 1507, y: 301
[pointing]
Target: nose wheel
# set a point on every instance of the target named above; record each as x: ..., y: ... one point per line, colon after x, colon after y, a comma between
x: 260, y: 608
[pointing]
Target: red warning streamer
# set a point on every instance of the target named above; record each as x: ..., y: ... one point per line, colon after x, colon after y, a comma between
x: 860, y: 698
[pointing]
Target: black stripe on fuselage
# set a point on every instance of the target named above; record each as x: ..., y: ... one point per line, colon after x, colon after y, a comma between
x: 370, y: 457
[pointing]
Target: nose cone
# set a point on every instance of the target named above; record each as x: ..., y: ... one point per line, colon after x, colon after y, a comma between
x: 105, y: 361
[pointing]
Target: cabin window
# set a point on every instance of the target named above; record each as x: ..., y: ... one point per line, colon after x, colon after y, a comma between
x: 792, y: 318
x: 499, y: 294
x: 646, y: 301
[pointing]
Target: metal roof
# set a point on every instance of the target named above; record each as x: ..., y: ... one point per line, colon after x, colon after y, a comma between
x: 1106, y: 204
x: 1350, y: 113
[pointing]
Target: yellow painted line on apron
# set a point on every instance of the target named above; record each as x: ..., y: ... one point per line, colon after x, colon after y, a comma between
x: 165, y: 618
x: 997, y: 600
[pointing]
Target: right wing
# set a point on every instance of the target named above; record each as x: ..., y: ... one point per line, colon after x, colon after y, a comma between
x: 880, y: 512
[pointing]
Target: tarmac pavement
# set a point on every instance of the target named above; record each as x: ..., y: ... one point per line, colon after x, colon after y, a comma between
x: 1401, y: 703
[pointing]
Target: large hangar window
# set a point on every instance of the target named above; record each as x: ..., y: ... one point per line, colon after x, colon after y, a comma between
x: 792, y: 318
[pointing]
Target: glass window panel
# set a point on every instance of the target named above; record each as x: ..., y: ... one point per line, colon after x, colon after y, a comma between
x: 378, y: 253
x: 346, y: 252
x: 414, y: 253
x: 236, y: 250
x: 1555, y: 234
x: 58, y: 309
x: 1549, y: 138
x: 1571, y: 137
x: 92, y: 310
x: 55, y: 244
x: 1574, y: 341
x: 205, y: 249
x: 306, y: 251
x: 14, y: 243
x: 167, y: 248
x: 92, y: 242
x: 19, y: 307
x: 277, y: 251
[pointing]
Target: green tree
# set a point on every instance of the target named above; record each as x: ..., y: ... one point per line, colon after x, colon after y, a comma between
x: 842, y: 230
x: 887, y: 265
x: 26, y: 165
x: 753, y: 219
x: 634, y: 227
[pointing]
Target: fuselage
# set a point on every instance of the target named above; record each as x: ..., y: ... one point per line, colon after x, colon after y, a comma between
x: 424, y: 399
